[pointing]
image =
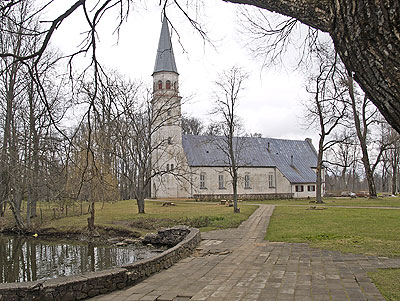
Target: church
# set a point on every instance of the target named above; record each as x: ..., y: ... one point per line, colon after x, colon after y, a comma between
x: 189, y: 166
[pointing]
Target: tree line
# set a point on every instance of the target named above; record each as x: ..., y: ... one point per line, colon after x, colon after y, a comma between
x: 71, y: 137
x: 92, y: 142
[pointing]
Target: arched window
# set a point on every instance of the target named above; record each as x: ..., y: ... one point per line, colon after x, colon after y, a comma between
x: 159, y: 85
x: 175, y: 86
x: 168, y: 85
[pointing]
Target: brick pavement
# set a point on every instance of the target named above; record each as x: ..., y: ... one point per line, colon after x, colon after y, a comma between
x: 238, y: 264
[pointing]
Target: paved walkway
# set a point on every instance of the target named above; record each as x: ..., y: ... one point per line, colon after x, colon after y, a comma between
x: 238, y: 264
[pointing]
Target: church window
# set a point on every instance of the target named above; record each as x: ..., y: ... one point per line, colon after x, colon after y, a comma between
x: 167, y: 167
x: 247, y: 181
x: 221, y: 182
x: 175, y: 86
x: 168, y: 85
x: 169, y: 140
x: 271, y: 183
x: 202, y: 181
x: 172, y: 166
x: 159, y: 85
x: 299, y: 188
x: 169, y: 118
x: 311, y: 187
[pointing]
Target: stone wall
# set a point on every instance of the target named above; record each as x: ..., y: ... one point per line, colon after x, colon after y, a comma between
x: 95, y: 283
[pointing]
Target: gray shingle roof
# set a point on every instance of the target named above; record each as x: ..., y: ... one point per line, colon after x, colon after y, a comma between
x: 165, y: 60
x: 207, y: 151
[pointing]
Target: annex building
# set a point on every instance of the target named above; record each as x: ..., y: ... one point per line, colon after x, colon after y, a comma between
x: 189, y: 166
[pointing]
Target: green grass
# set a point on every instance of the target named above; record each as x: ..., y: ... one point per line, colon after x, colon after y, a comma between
x: 387, y: 281
x: 123, y: 215
x: 358, y: 202
x: 366, y: 231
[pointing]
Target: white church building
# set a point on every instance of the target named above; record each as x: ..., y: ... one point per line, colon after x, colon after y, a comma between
x: 189, y: 166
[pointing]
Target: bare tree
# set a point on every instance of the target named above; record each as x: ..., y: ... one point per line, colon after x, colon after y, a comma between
x: 343, y: 19
x: 343, y: 157
x: 391, y: 157
x: 26, y: 119
x: 213, y: 129
x: 136, y: 116
x: 192, y: 125
x: 327, y: 110
x: 228, y: 88
x: 365, y: 117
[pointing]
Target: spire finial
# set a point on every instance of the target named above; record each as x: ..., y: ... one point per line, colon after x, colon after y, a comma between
x: 165, y: 60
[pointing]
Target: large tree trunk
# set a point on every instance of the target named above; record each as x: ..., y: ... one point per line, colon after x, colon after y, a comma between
x: 318, y: 194
x: 16, y: 210
x: 367, y: 37
x: 90, y: 219
x: 233, y: 168
x: 140, y: 204
x: 34, y: 156
x: 235, y: 194
x: 370, y: 179
x: 5, y: 160
x: 140, y: 192
x: 366, y: 34
x: 362, y: 138
x: 394, y: 179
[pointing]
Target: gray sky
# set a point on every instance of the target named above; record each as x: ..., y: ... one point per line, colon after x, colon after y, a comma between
x: 271, y: 101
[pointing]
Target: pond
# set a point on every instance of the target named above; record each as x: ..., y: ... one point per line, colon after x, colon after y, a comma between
x: 29, y: 259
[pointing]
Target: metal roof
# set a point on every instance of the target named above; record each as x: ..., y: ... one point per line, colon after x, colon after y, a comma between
x: 165, y: 60
x: 255, y: 152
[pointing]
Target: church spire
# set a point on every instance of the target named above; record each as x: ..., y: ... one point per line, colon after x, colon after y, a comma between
x: 165, y: 60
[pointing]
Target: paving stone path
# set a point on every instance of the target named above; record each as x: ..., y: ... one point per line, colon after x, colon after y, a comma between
x: 238, y: 264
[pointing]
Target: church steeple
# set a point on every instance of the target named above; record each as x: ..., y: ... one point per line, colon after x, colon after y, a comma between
x: 165, y: 60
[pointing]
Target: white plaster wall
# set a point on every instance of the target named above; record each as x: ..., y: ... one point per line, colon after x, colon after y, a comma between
x: 259, y: 183
x: 305, y: 193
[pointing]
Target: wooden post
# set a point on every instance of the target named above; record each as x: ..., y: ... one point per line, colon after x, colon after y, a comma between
x: 54, y: 213
x: 81, y: 208
x: 66, y: 210
x: 41, y: 216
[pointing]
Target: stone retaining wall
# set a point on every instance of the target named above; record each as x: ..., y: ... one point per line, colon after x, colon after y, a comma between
x: 95, y: 283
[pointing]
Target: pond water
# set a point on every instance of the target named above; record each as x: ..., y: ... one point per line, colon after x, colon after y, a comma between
x: 30, y: 259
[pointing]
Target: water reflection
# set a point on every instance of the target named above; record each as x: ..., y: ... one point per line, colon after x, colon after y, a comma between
x: 29, y: 259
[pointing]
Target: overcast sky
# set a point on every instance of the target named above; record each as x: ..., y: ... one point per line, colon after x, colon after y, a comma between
x: 271, y: 101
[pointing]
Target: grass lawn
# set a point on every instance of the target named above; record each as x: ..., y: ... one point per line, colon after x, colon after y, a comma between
x: 387, y: 281
x: 123, y: 215
x: 366, y: 231
x: 345, y: 201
